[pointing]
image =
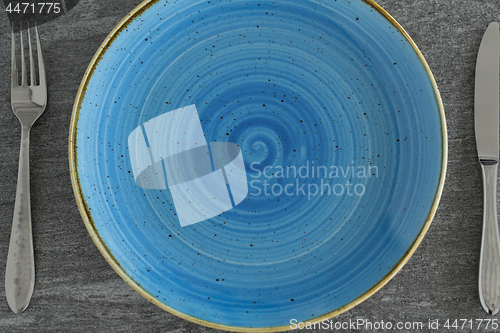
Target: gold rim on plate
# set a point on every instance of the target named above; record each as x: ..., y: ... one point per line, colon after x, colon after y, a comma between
x: 87, y: 217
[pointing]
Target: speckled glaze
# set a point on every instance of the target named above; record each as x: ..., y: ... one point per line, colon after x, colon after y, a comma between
x: 303, y: 84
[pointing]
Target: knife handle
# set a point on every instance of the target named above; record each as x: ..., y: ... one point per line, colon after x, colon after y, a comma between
x: 489, y: 264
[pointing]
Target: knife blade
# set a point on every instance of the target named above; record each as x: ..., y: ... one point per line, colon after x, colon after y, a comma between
x: 486, y: 112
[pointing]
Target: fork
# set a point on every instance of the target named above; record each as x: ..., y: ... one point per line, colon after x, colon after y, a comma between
x: 28, y: 103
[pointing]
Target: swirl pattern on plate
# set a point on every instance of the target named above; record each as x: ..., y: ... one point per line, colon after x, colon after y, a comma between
x: 315, y: 86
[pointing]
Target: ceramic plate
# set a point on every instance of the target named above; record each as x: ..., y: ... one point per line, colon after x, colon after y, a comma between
x: 248, y: 165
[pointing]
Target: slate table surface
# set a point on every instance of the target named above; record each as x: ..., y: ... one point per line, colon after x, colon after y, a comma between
x: 77, y: 291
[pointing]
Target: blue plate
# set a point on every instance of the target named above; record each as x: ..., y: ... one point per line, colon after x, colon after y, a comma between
x: 250, y: 165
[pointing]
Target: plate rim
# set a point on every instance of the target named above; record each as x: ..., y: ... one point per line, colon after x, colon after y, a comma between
x: 106, y: 253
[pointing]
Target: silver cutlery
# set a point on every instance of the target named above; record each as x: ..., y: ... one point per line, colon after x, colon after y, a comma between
x: 28, y: 102
x: 487, y: 127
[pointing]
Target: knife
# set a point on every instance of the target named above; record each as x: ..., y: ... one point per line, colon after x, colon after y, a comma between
x: 486, y: 121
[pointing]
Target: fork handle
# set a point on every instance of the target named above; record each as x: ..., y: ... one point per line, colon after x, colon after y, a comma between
x: 20, y: 270
x: 489, y: 263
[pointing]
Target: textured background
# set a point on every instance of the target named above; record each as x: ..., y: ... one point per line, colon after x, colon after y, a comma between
x: 77, y: 291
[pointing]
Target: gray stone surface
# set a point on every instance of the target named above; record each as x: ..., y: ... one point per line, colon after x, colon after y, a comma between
x: 77, y: 291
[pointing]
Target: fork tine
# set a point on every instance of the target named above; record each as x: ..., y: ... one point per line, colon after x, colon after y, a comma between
x: 32, y: 64
x: 41, y: 65
x: 23, y: 62
x: 14, y: 82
